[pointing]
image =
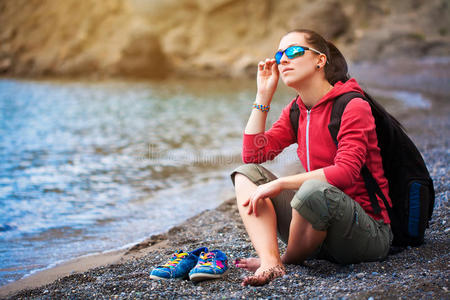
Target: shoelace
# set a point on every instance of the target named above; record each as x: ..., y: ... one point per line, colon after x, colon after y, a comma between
x: 206, y: 259
x: 176, y: 258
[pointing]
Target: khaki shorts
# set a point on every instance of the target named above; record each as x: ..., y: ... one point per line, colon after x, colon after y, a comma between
x: 352, y: 235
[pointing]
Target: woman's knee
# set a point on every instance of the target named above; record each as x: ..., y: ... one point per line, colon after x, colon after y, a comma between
x: 240, y: 180
x: 255, y: 173
x: 311, y: 203
x: 243, y: 185
x: 310, y: 188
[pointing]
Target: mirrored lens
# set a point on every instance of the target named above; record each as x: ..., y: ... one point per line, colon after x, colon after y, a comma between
x: 294, y: 51
x: 278, y: 56
x: 291, y: 52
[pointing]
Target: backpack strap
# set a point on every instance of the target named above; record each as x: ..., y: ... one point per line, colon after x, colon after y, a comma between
x: 339, y: 105
x: 372, y: 186
x: 373, y: 189
x: 294, y: 115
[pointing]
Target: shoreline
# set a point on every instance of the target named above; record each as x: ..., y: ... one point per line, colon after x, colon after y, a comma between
x: 89, y: 261
x: 86, y: 262
x: 52, y: 273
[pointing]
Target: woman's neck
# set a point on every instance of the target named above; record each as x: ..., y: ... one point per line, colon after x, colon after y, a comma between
x: 313, y: 91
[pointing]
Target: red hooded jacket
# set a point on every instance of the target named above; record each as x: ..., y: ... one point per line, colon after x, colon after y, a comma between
x: 357, y: 145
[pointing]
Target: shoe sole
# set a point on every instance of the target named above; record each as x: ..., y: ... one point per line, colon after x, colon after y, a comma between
x: 158, y: 278
x: 205, y: 276
x: 164, y: 278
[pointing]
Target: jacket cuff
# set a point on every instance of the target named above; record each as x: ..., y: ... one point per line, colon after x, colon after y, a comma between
x: 336, y: 176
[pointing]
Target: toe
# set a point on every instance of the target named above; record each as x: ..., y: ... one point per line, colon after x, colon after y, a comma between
x: 237, y: 262
x: 241, y: 263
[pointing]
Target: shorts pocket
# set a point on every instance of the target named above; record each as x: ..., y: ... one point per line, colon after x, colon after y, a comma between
x: 336, y: 202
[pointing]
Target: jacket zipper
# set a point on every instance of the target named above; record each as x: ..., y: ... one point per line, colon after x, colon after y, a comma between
x: 307, y: 140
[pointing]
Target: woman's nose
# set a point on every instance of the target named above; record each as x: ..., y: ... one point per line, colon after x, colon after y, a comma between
x: 284, y: 59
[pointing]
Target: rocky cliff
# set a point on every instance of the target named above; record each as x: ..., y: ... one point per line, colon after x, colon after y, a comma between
x: 141, y: 38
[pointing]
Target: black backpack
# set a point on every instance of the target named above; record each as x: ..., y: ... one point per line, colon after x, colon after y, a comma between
x: 410, y: 185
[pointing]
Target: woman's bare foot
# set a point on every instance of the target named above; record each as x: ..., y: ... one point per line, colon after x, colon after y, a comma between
x: 264, y: 275
x: 250, y: 264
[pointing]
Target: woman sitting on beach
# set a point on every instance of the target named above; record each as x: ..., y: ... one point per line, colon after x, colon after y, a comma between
x: 325, y: 212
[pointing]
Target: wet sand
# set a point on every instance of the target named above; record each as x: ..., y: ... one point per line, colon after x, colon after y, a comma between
x: 418, y: 272
x: 83, y: 264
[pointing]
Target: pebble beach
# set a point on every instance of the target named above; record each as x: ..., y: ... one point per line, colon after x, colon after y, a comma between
x: 417, y: 272
x: 420, y: 272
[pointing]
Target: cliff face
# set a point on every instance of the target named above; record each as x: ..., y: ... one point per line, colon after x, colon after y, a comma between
x: 75, y: 37
x: 204, y: 37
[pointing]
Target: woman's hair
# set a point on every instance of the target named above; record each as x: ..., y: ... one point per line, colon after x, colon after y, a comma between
x: 336, y: 69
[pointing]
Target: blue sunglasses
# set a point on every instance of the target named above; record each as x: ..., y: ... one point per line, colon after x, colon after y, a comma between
x: 293, y: 52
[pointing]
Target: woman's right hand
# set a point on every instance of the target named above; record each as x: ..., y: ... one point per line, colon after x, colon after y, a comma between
x: 267, y: 80
x: 267, y: 190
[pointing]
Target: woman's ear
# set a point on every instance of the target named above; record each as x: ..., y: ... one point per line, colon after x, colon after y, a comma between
x: 322, y: 60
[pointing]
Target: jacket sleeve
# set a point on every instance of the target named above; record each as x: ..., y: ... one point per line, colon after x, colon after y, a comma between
x: 258, y: 148
x: 356, y: 123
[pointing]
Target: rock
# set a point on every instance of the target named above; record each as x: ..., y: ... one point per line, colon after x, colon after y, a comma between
x: 246, y: 65
x: 400, y: 32
x: 5, y: 64
x: 137, y: 38
x: 143, y: 57
x: 312, y: 16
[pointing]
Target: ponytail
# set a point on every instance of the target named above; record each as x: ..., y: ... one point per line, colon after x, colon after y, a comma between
x: 336, y: 68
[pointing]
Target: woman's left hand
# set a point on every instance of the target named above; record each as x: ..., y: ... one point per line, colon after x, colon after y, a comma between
x: 267, y: 190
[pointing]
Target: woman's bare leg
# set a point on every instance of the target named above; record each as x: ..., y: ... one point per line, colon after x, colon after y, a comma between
x: 262, y: 232
x: 303, y: 240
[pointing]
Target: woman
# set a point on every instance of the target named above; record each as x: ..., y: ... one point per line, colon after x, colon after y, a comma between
x: 324, y: 212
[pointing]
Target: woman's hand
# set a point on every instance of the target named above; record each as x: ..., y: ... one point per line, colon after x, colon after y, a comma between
x: 270, y: 189
x: 267, y: 80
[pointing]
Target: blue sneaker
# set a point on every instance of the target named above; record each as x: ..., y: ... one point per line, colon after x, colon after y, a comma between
x: 210, y: 265
x: 179, y: 265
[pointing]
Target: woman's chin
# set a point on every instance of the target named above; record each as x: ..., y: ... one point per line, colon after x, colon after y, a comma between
x: 289, y: 81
